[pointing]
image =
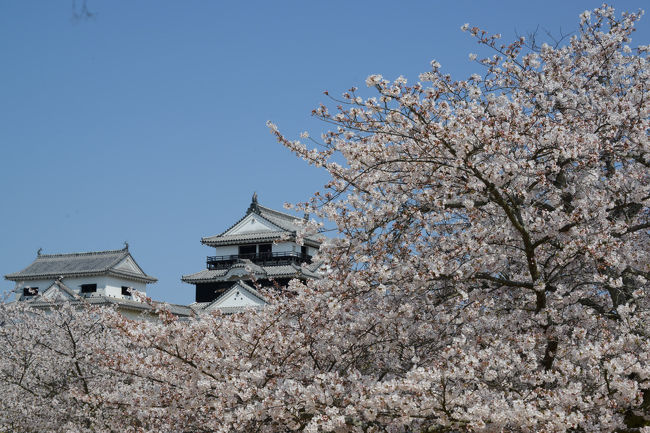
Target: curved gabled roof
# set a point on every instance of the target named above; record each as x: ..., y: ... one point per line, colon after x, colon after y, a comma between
x: 92, y: 263
x: 218, y: 304
x: 287, y: 225
x: 260, y: 272
x: 251, y: 237
x: 122, y: 304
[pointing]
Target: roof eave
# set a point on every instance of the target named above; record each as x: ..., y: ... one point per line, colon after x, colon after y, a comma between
x: 17, y: 278
x: 218, y: 241
x: 291, y: 238
x: 141, y: 278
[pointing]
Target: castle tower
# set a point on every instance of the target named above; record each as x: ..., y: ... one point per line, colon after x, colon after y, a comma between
x: 261, y: 246
x: 102, y: 278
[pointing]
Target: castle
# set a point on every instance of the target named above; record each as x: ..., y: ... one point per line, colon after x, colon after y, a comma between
x: 259, y: 250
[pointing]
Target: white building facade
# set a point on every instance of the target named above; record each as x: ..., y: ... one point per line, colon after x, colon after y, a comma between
x: 98, y: 278
x: 258, y: 250
x: 111, y: 273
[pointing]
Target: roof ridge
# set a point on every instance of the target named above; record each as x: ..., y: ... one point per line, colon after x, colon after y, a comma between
x: 250, y: 211
x: 65, y: 288
x: 83, y: 253
x: 279, y: 213
x: 119, y: 260
x: 250, y: 233
x: 228, y: 229
x: 250, y: 289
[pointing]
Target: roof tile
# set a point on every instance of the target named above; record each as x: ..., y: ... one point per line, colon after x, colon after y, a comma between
x: 280, y: 271
x: 90, y: 263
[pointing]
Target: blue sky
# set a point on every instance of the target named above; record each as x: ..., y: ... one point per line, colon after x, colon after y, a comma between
x: 146, y: 123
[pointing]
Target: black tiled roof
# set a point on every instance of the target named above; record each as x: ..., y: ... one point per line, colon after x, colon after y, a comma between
x: 200, y: 307
x: 79, y: 264
x: 128, y: 304
x: 280, y: 271
x: 287, y: 224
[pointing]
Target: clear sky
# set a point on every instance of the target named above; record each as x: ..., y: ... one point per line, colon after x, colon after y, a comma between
x: 146, y: 123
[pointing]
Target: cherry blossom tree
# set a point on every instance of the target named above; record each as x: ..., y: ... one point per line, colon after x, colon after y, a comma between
x: 495, y: 237
x: 490, y: 274
x: 50, y: 378
x: 491, y: 269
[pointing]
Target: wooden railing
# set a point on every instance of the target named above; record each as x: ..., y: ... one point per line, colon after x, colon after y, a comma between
x: 269, y: 258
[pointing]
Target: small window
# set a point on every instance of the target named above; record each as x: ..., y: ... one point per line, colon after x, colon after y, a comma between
x: 30, y: 291
x: 304, y: 254
x: 88, y: 288
x: 126, y: 291
x: 247, y: 250
x: 265, y: 249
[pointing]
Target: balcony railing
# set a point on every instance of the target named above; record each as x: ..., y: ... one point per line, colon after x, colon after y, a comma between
x: 270, y: 258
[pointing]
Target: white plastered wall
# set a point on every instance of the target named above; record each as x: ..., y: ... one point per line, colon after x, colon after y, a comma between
x: 113, y: 286
x: 106, y: 285
x: 227, y: 250
x: 252, y: 223
x: 237, y: 297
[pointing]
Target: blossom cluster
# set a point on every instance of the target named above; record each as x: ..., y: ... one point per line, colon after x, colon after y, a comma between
x: 490, y: 274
